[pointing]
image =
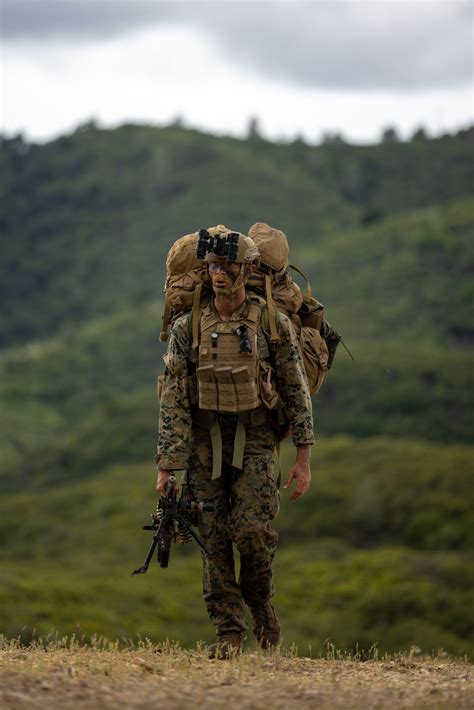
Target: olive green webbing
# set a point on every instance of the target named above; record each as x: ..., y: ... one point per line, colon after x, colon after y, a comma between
x: 271, y: 308
x: 239, y: 445
x: 166, y: 322
x: 216, y: 439
x: 254, y: 313
x: 196, y: 315
x: 277, y: 465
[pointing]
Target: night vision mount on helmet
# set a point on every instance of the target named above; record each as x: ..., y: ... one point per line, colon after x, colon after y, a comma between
x: 230, y: 246
x: 227, y: 246
x: 188, y: 289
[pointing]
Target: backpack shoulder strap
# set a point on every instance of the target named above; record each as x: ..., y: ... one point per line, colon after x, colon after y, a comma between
x: 195, y: 318
x: 166, y: 322
x: 274, y: 335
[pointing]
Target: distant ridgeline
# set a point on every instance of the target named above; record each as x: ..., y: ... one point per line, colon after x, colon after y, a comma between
x: 383, y: 230
x: 384, y: 233
x: 380, y: 547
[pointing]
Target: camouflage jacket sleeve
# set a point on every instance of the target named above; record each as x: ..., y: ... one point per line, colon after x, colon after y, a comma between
x: 290, y: 373
x: 174, y: 426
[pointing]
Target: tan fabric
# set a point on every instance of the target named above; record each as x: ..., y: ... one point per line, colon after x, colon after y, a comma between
x: 227, y: 378
x: 286, y: 294
x: 272, y: 245
x: 182, y: 256
x: 315, y: 357
x: 311, y: 311
x: 218, y: 229
x: 184, y: 272
x: 240, y: 384
x: 177, y: 414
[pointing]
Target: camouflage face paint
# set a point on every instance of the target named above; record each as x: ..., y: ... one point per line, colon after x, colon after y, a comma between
x: 229, y: 269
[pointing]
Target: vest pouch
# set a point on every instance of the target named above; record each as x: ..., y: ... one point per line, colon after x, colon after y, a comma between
x: 315, y: 357
x: 180, y: 292
x: 311, y: 313
x: 226, y: 389
x: 246, y: 389
x: 332, y: 340
x: 268, y: 388
x: 207, y: 387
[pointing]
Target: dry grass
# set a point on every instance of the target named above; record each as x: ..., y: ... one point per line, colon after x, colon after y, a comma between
x: 68, y: 674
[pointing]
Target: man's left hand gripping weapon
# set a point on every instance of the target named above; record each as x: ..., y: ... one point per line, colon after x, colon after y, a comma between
x: 172, y: 522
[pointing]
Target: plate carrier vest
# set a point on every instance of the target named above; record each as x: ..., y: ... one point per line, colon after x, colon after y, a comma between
x: 228, y: 363
x: 229, y: 378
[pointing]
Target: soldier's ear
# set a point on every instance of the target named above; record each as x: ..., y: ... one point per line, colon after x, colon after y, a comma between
x: 250, y: 268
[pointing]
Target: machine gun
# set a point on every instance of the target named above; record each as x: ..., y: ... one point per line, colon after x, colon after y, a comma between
x: 172, y: 521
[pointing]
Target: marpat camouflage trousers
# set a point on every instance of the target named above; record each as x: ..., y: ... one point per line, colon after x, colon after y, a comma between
x: 246, y: 501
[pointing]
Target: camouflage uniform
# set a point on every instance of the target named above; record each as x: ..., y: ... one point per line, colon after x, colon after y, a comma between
x: 248, y: 499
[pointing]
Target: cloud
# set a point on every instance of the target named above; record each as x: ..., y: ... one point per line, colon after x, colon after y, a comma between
x: 357, y: 45
x: 76, y: 20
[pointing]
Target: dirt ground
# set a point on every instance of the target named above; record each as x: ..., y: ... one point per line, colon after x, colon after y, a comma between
x: 149, y: 678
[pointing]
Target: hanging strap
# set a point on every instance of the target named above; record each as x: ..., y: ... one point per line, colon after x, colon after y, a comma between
x: 277, y: 465
x: 309, y: 293
x: 347, y: 350
x: 216, y: 439
x: 195, y: 315
x: 271, y: 309
x: 239, y: 445
x: 203, y: 418
x: 166, y: 322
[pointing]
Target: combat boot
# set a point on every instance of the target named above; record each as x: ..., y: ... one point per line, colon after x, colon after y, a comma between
x: 266, y: 628
x: 226, y: 646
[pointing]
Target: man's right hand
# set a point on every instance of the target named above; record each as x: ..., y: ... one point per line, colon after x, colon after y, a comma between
x: 162, y: 480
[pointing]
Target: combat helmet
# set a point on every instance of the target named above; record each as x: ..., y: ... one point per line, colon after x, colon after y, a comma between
x: 228, y: 246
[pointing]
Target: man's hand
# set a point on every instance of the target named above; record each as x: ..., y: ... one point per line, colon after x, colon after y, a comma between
x: 162, y: 480
x: 300, y: 472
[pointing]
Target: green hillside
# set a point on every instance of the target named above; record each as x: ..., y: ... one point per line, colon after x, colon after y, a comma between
x: 69, y: 553
x: 77, y: 402
x: 405, y: 278
x: 380, y: 550
x: 90, y: 216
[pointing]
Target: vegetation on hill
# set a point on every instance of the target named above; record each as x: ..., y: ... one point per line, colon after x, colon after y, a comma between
x: 69, y: 552
x: 379, y: 551
x: 89, y: 217
x: 73, y: 403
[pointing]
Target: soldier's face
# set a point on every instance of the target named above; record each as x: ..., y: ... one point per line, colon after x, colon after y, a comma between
x: 223, y: 273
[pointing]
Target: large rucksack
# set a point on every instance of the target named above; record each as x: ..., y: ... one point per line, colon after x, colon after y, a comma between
x: 187, y: 288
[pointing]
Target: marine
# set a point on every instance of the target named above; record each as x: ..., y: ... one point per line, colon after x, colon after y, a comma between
x: 220, y: 418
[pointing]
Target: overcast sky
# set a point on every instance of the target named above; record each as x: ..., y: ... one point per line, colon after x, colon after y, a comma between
x: 303, y: 68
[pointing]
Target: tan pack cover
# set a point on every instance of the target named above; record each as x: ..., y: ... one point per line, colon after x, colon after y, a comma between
x: 272, y: 245
x: 187, y: 287
x: 315, y: 357
x: 286, y: 294
x: 186, y: 276
x: 182, y: 254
